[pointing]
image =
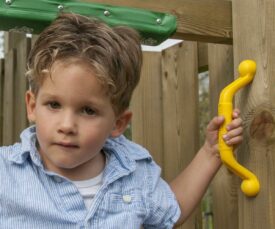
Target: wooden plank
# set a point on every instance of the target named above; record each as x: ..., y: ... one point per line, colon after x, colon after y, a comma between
x: 224, y: 185
x: 200, y: 20
x: 221, y: 72
x: 10, y: 40
x: 180, y: 106
x: 8, y: 98
x: 254, y: 36
x: 1, y: 97
x: 22, y: 46
x: 147, y: 125
x: 180, y: 111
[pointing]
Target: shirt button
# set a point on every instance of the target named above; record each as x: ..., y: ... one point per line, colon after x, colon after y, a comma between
x: 57, y: 179
x: 127, y: 199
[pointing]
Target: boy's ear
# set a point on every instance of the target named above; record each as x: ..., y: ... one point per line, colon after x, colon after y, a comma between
x: 30, y: 105
x: 121, y: 123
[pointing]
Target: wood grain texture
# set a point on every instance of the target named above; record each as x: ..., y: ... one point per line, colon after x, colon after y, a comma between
x: 17, y: 47
x: 8, y: 99
x: 22, y: 47
x: 180, y: 112
x: 254, y: 36
x: 147, y: 125
x: 200, y: 20
x: 180, y: 106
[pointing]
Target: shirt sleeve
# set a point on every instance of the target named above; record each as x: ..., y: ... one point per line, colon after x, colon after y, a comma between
x: 163, y: 208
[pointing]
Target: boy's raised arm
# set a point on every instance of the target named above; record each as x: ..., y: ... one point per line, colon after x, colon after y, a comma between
x: 190, y: 185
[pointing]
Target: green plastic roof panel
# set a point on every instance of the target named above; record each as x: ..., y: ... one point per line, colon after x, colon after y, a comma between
x: 34, y: 15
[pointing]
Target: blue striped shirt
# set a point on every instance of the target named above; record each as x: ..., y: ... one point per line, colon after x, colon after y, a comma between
x: 132, y: 194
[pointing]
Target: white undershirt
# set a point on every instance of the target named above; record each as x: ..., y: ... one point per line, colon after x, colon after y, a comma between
x: 89, y: 188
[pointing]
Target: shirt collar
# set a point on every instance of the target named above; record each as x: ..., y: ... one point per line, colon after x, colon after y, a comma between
x: 28, y: 148
x: 126, y: 151
x: 123, y: 156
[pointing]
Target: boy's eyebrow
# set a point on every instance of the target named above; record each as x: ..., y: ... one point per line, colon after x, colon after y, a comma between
x: 46, y: 95
x: 91, y: 102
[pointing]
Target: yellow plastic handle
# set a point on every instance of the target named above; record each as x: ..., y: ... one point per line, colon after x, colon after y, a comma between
x: 250, y: 184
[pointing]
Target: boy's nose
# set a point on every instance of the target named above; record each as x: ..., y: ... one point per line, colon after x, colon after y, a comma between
x: 67, y: 123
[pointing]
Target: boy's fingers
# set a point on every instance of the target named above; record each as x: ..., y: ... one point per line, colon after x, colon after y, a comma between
x: 233, y: 133
x: 234, y: 141
x: 215, y: 123
x: 234, y: 124
x: 236, y: 113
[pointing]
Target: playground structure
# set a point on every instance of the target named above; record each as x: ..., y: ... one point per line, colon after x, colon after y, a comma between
x: 165, y: 103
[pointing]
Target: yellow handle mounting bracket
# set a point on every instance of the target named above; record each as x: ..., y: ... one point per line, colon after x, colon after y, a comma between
x: 250, y: 185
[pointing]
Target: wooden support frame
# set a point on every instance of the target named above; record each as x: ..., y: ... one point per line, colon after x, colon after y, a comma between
x: 199, y: 20
x: 254, y: 35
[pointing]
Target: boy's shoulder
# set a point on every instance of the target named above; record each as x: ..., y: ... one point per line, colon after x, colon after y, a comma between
x: 132, y: 157
x: 8, y: 153
x: 128, y: 148
x: 18, y: 151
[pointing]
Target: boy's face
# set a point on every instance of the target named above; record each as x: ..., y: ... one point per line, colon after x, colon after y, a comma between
x: 73, y: 118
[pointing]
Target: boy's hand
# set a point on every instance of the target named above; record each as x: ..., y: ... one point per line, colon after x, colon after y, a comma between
x: 232, y: 138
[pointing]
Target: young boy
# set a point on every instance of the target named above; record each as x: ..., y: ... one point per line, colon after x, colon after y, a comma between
x: 73, y: 168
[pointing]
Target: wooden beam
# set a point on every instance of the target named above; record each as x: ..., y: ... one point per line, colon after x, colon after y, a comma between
x: 254, y: 36
x: 200, y: 20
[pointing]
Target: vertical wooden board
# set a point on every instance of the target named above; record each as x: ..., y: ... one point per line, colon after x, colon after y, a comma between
x: 180, y: 111
x: 12, y: 39
x: 1, y: 97
x: 224, y: 186
x: 22, y: 47
x: 147, y: 127
x: 221, y: 72
x: 254, y: 34
x: 8, y: 98
x: 180, y: 106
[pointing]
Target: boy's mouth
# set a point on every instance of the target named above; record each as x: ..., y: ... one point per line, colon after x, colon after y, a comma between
x: 67, y: 145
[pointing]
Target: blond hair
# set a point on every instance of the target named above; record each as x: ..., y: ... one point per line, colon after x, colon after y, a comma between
x: 114, y: 54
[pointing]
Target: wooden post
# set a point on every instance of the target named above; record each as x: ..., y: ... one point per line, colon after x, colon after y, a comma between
x: 165, y: 109
x: 8, y: 99
x: 254, y: 35
x: 17, y: 47
x: 22, y: 50
x: 224, y: 189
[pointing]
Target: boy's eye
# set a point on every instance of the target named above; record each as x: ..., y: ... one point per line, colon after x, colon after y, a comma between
x: 54, y: 105
x: 88, y: 111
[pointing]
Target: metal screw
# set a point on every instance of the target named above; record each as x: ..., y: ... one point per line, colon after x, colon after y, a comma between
x: 60, y: 7
x: 8, y: 2
x: 107, y: 13
x: 158, y: 21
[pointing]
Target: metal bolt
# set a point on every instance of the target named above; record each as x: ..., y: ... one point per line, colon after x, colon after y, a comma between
x: 158, y: 21
x: 8, y: 2
x: 107, y: 13
x: 60, y: 7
